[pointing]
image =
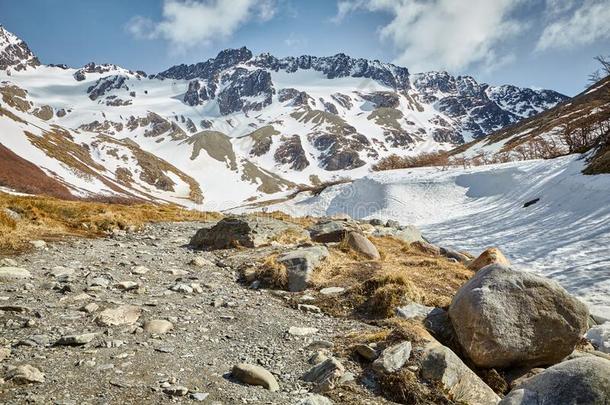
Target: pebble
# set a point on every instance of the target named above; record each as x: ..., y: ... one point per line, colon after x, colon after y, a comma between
x: 301, y: 331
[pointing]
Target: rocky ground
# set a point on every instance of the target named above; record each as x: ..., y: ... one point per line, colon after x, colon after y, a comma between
x: 217, y: 323
x: 143, y: 317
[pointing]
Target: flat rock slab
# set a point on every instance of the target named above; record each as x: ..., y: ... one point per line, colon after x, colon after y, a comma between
x: 122, y: 315
x: 25, y: 374
x: 158, y: 326
x: 8, y: 274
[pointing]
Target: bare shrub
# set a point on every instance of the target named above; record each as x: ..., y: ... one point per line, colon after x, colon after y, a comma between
x: 405, y: 162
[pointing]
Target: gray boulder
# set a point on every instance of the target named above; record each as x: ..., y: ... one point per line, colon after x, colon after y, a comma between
x: 331, y: 231
x: 326, y: 375
x: 440, y: 365
x: 300, y: 264
x: 242, y: 231
x: 504, y: 317
x: 9, y: 274
x: 360, y: 243
x: 582, y: 381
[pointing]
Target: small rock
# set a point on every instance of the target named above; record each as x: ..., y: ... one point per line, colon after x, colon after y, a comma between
x: 99, y: 282
x: 326, y: 375
x: 332, y: 290
x: 300, y: 264
x: 25, y: 374
x: 60, y: 271
x: 393, y: 358
x: 176, y: 390
x: 199, y: 261
x: 199, y: 396
x: 309, y: 308
x: 90, y: 308
x: 315, y: 399
x: 75, y: 340
x: 158, y: 326
x: 122, y: 315
x: 301, y: 331
x: 414, y: 311
x: 182, y: 288
x: 361, y: 244
x: 255, y: 375
x: 366, y: 351
x: 8, y: 274
x: 127, y: 285
x: 38, y: 244
x: 4, y: 353
x: 140, y: 270
x: 490, y: 256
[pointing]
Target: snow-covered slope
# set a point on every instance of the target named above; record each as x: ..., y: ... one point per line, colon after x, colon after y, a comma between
x: 263, y: 123
x: 565, y: 235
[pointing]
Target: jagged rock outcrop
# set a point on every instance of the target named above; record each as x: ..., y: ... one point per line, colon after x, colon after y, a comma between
x: 105, y: 85
x: 15, y: 53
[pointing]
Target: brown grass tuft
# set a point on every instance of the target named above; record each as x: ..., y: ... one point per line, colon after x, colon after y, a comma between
x: 403, y: 387
x: 270, y: 273
x: 49, y: 218
x: 374, y: 288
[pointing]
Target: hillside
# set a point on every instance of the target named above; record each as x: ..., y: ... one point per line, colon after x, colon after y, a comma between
x: 262, y: 122
x: 574, y: 126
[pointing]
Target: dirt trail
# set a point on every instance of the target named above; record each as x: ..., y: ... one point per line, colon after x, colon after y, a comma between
x: 217, y: 323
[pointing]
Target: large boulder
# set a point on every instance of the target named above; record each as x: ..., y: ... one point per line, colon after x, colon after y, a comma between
x: 582, y: 381
x: 503, y: 317
x: 300, y: 265
x: 440, y: 365
x: 243, y: 232
x: 255, y: 375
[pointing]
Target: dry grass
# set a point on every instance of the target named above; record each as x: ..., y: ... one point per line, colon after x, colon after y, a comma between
x: 403, y: 387
x: 49, y: 218
x: 269, y: 272
x: 305, y: 222
x: 405, y: 162
x: 375, y: 288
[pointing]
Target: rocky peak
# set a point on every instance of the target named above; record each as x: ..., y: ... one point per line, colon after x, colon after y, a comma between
x: 14, y: 53
x: 210, y: 68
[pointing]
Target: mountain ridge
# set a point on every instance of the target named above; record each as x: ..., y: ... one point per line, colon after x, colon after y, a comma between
x: 278, y: 121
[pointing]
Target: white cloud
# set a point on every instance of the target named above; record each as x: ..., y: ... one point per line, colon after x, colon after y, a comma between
x: 188, y: 23
x: 443, y: 34
x: 589, y: 23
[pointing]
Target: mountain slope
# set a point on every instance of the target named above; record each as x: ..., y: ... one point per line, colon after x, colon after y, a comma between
x: 574, y: 126
x: 266, y: 123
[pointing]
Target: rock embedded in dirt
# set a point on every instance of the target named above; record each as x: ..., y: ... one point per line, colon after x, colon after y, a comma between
x: 454, y: 254
x: 315, y: 399
x: 5, y: 352
x: 255, y: 375
x: 24, y: 374
x: 76, y: 340
x: 248, y: 232
x: 38, y: 244
x: 301, y: 331
x: 331, y: 231
x: 393, y: 358
x: 332, y: 290
x: 199, y: 261
x: 10, y: 274
x: 122, y: 315
x: 361, y: 244
x: 326, y: 375
x: 489, y: 256
x: 414, y: 311
x: 300, y: 264
x: 366, y: 351
x: 158, y: 326
x: 140, y: 270
x: 504, y: 317
x: 440, y: 365
x: 585, y: 380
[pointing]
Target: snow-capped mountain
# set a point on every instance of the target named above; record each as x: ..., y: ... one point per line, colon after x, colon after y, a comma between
x: 238, y: 125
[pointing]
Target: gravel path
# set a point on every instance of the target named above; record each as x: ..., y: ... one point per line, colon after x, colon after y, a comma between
x: 217, y: 323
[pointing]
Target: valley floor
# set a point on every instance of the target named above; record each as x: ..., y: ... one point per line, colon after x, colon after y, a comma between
x: 565, y: 235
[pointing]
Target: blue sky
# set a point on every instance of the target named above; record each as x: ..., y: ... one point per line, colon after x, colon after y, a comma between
x: 539, y: 43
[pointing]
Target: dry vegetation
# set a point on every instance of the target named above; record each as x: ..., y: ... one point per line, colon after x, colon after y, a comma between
x: 49, y: 218
x: 374, y: 288
x: 405, y: 162
x: 317, y: 189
